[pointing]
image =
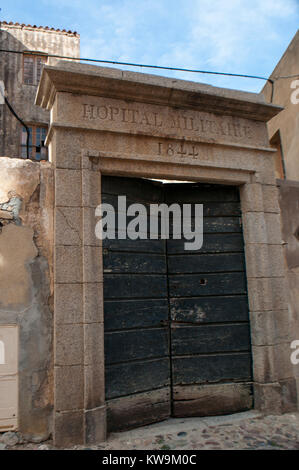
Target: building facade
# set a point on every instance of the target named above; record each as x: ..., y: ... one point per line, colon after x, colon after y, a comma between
x: 284, y: 128
x: 283, y: 132
x: 21, y: 73
x: 99, y: 335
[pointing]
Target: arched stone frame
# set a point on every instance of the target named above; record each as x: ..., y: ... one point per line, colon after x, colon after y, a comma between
x: 79, y: 154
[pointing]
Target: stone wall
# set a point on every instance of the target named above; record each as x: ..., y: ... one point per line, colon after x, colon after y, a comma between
x: 26, y: 228
x: 286, y: 122
x: 289, y: 204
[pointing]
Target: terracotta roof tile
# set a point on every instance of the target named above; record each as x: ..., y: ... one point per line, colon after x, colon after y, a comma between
x: 45, y: 28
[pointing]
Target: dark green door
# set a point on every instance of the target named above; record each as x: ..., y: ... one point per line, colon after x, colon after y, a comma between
x: 177, y: 338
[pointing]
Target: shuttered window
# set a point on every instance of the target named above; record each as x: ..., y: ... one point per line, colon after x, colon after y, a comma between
x: 33, y: 65
x: 37, y: 149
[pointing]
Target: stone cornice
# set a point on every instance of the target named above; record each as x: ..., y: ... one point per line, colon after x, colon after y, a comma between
x: 114, y: 83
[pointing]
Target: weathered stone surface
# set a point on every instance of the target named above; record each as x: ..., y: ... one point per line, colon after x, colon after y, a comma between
x: 263, y: 260
x: 68, y: 261
x: 271, y: 363
x: 68, y: 347
x: 289, y: 395
x: 89, y: 225
x: 69, y: 385
x: 68, y: 188
x: 273, y: 225
x: 95, y: 425
x: 268, y: 398
x: 66, y: 148
x: 92, y: 264
x: 254, y: 227
x: 269, y: 328
x: 93, y: 302
x: 9, y: 438
x: 264, y: 366
x: 251, y: 197
x: 94, y: 385
x: 68, y: 226
x: 93, y: 343
x: 69, y: 428
x: 91, y: 188
x: 270, y: 199
x: 68, y: 303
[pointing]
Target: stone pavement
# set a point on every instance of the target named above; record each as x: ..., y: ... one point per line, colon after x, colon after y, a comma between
x: 248, y: 430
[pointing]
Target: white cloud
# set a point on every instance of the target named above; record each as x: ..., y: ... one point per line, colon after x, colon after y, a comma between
x: 231, y: 35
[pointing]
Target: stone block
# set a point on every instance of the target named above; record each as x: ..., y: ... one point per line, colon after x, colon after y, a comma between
x: 69, y: 388
x: 273, y: 226
x: 68, y: 264
x: 289, y: 397
x: 91, y: 188
x: 284, y: 366
x: 94, y: 385
x: 68, y: 226
x: 267, y: 398
x: 68, y: 303
x: 89, y: 225
x: 269, y: 328
x: 254, y: 227
x: 264, y: 260
x: 68, y: 188
x: 94, y: 344
x: 68, y: 428
x: 68, y: 148
x: 92, y: 264
x: 260, y: 294
x: 95, y: 425
x: 270, y: 199
x: 93, y: 302
x: 251, y: 197
x: 279, y: 293
x: 264, y: 364
x: 68, y: 345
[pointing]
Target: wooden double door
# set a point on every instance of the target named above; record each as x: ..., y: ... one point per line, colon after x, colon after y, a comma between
x: 177, y: 338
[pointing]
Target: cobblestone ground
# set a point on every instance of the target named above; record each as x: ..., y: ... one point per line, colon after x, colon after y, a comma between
x: 243, y: 431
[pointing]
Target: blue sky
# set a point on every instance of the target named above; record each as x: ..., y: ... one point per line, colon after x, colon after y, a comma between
x: 238, y: 36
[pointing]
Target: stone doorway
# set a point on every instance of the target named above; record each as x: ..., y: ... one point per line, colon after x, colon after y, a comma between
x: 113, y: 122
x: 177, y: 336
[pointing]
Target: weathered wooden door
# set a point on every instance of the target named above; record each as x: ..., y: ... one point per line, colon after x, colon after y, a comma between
x: 137, y: 355
x: 177, y: 338
x: 210, y: 337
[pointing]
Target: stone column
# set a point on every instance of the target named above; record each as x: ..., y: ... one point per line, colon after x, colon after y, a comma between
x: 79, y: 394
x: 93, y: 318
x: 269, y: 316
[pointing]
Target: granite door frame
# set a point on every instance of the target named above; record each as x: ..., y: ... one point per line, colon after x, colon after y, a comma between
x: 79, y: 390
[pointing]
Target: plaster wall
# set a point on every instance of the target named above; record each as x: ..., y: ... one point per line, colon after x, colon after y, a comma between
x: 26, y: 288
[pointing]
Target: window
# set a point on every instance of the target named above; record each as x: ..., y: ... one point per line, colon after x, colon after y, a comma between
x: 37, y: 149
x: 33, y: 65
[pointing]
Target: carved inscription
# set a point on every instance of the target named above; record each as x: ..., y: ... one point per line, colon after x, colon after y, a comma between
x: 182, y: 150
x: 192, y: 123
